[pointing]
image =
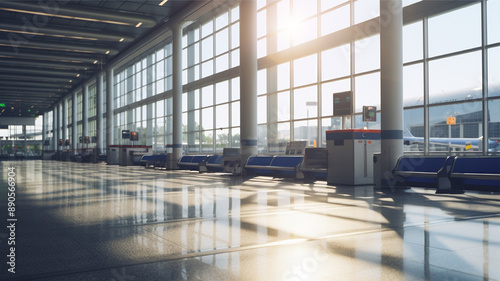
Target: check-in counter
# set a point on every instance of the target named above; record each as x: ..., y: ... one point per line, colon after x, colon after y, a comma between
x: 350, y: 156
x: 123, y: 155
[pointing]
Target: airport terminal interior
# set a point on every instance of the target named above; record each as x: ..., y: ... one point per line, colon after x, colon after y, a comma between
x: 250, y: 140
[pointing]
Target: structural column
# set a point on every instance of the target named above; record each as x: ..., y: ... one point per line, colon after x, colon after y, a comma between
x: 248, y: 78
x: 25, y: 142
x: 391, y: 73
x: 272, y: 80
x: 109, y: 108
x: 54, y: 128
x: 57, y: 129
x: 74, y: 136
x: 99, y: 105
x: 177, y: 93
x: 85, y: 111
x: 44, y: 130
x: 64, y: 121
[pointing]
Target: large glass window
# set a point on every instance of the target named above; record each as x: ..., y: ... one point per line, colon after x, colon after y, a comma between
x: 335, y: 20
x: 468, y: 126
x: 328, y: 89
x: 455, y: 78
x: 335, y: 63
x: 413, y: 46
x: 295, y: 88
x: 413, y: 85
x: 367, y: 54
x: 414, y: 127
x: 305, y: 103
x: 455, y: 31
x: 493, y: 21
x: 494, y: 71
x: 367, y: 91
x: 305, y: 70
x: 494, y: 125
x: 365, y: 10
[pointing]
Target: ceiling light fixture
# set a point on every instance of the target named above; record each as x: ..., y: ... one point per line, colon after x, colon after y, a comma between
x: 95, y: 61
x: 107, y: 52
x: 121, y: 39
x: 63, y: 16
x: 46, y: 34
x: 139, y: 24
x: 163, y: 2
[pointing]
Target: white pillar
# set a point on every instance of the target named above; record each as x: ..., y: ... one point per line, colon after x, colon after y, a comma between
x: 109, y: 108
x: 54, y: 127
x: 74, y: 136
x: 85, y: 111
x: 177, y: 93
x: 391, y: 73
x: 99, y: 106
x: 248, y: 78
x: 64, y: 121
x: 44, y: 129
x: 57, y: 129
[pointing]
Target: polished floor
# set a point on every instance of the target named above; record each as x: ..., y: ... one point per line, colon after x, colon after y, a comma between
x: 97, y: 222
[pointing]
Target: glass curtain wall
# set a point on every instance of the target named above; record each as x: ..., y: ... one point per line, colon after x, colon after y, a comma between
x: 137, y: 89
x: 211, y: 109
x: 450, y: 77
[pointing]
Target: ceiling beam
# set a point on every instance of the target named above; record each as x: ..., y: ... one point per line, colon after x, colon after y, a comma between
x: 23, y: 78
x: 58, y: 73
x: 44, y: 56
x: 64, y: 32
x: 80, y: 13
x: 37, y: 87
x: 48, y: 64
x: 81, y: 48
x: 34, y: 94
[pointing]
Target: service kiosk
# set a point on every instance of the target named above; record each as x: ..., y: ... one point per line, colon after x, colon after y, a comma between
x: 350, y: 156
x: 126, y: 154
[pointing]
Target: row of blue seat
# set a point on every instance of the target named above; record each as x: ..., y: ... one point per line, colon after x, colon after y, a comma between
x: 276, y: 166
x: 154, y: 161
x: 449, y: 174
x: 213, y: 163
x: 201, y: 163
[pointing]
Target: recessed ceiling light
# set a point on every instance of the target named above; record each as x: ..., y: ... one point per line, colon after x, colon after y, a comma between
x: 121, y: 40
x: 95, y: 61
x: 163, y: 2
x: 107, y: 52
x: 78, y: 75
x: 139, y: 24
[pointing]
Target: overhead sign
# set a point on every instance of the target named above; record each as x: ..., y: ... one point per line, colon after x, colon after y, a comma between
x: 134, y: 136
x: 369, y: 113
x: 342, y: 104
x: 125, y: 134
